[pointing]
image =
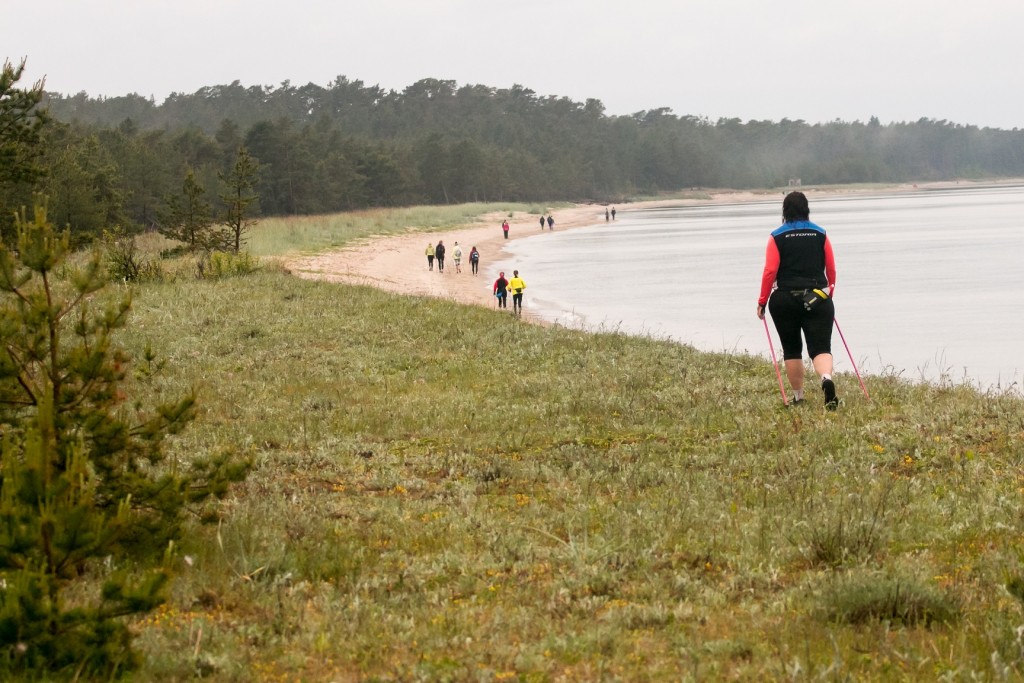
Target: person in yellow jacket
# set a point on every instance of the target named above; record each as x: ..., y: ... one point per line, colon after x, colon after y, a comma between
x: 516, y: 286
x: 430, y: 256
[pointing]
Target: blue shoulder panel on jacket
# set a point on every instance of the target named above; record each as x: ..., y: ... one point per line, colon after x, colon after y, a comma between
x: 797, y: 225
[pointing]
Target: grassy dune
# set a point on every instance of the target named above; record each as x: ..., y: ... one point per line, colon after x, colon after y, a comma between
x: 444, y: 493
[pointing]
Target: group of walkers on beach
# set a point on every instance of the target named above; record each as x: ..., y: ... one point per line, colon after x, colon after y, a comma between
x: 545, y: 222
x: 503, y: 288
x: 437, y: 253
x: 797, y: 286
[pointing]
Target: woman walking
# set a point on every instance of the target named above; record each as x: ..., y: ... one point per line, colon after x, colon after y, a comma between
x: 501, y: 290
x: 457, y: 255
x: 517, y: 286
x: 439, y: 255
x: 474, y: 259
x: 800, y: 264
x: 430, y: 256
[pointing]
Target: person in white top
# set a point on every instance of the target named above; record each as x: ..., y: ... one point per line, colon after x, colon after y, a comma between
x: 457, y: 257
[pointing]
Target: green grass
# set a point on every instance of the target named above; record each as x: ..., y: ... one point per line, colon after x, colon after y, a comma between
x: 301, y: 234
x: 444, y: 493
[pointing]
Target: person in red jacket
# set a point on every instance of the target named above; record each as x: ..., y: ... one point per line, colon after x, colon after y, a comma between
x: 501, y: 290
x: 800, y: 264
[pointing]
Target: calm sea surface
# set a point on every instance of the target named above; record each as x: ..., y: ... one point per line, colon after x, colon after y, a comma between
x: 930, y: 285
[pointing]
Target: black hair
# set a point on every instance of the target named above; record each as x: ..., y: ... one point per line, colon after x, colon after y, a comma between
x: 794, y: 207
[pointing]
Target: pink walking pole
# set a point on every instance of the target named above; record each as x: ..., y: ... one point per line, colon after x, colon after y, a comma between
x: 855, y: 370
x: 775, y: 362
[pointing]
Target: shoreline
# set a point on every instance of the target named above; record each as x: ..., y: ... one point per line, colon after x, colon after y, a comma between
x: 398, y: 263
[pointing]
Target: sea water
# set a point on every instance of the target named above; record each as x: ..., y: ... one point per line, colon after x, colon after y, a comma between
x: 929, y: 283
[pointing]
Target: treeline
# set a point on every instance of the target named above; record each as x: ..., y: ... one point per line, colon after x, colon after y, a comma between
x: 349, y: 146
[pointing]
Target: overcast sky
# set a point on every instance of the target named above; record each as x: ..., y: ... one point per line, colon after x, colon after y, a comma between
x: 816, y: 60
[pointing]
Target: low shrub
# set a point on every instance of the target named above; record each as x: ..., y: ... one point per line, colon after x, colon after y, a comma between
x: 904, y: 600
x: 216, y: 265
x: 125, y: 261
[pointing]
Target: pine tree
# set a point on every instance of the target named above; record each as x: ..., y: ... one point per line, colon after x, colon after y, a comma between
x: 21, y: 148
x: 240, y: 198
x: 188, y: 217
x: 21, y: 124
x: 84, y: 485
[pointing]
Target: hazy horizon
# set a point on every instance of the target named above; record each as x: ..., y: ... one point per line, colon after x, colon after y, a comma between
x: 740, y: 59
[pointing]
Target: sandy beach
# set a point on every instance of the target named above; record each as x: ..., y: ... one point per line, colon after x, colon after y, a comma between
x: 398, y: 263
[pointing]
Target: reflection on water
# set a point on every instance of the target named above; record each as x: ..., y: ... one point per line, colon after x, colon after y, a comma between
x: 929, y: 283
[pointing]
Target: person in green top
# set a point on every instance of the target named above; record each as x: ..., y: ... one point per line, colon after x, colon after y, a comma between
x: 430, y: 256
x: 516, y: 286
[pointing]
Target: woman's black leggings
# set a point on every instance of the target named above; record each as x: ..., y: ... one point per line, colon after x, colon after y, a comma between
x: 791, y: 319
x: 475, y: 265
